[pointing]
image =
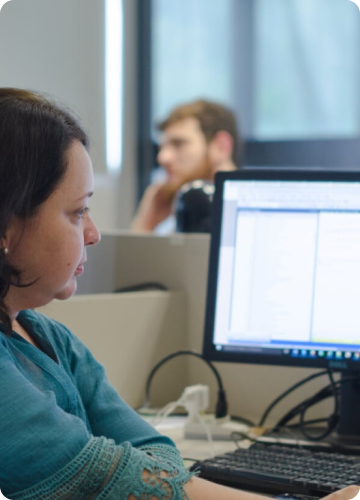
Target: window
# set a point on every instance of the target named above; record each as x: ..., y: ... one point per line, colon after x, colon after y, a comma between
x: 307, y: 69
x: 191, y: 55
x: 113, y: 84
x: 289, y: 68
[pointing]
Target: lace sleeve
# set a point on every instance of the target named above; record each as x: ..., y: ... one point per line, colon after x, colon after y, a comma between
x: 104, y: 471
x: 157, y: 472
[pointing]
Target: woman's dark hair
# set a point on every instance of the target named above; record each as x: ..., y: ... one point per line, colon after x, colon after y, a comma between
x: 35, y: 137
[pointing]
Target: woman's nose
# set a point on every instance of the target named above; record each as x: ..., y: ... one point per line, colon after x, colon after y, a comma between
x: 92, y: 234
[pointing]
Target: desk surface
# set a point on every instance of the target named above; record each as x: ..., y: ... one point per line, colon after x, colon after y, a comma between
x: 194, y: 449
x: 199, y: 449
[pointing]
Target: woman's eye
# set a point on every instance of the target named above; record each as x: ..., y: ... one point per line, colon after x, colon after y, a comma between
x: 81, y: 213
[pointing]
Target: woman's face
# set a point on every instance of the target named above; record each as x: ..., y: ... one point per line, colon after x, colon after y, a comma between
x: 51, y: 247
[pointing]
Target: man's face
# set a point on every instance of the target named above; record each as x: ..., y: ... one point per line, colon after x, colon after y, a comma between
x: 184, y: 153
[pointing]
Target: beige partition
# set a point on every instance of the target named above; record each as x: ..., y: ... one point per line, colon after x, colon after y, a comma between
x: 181, y: 263
x: 129, y: 333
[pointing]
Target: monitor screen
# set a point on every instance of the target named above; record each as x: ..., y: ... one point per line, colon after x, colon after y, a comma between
x: 284, y: 275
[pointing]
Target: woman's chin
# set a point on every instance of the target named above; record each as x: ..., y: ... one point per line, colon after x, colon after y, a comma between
x: 68, y: 291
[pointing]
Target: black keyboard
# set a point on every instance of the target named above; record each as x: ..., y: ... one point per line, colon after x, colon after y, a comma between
x: 275, y: 469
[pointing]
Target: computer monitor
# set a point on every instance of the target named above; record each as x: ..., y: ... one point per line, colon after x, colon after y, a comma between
x: 284, y: 274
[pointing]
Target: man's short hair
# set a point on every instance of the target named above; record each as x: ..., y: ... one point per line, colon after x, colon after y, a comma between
x: 212, y: 118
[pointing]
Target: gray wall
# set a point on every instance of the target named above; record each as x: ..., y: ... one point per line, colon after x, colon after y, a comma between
x: 58, y: 47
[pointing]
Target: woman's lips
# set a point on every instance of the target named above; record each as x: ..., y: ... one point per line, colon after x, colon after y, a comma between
x: 79, y: 270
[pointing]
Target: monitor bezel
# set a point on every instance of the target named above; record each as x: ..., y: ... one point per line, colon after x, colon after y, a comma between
x: 209, y: 350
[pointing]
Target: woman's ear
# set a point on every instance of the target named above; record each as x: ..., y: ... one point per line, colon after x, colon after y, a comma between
x: 4, y: 247
x: 13, y: 233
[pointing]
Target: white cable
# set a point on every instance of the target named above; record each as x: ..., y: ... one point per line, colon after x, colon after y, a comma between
x: 208, y: 433
x: 164, y: 412
x: 192, y: 398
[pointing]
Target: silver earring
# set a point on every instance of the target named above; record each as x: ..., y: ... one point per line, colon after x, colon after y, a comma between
x: 6, y: 251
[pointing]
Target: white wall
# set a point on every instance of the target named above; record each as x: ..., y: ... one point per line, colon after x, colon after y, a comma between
x: 58, y: 47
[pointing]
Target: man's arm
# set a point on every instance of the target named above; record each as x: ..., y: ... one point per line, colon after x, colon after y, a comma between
x: 155, y: 206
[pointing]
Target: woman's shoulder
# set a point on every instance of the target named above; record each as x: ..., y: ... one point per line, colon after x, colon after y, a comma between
x: 37, y: 319
x: 47, y: 328
x: 53, y: 336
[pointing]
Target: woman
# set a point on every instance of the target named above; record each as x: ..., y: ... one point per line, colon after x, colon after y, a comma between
x: 64, y: 431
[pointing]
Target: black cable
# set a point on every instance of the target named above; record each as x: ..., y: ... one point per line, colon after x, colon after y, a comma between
x: 243, y: 420
x: 242, y: 436
x: 151, y: 285
x: 324, y: 393
x: 321, y: 395
x: 308, y: 422
x: 286, y: 393
x: 221, y: 405
x: 333, y: 419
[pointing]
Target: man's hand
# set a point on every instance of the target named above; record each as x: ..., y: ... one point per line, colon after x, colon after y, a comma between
x: 155, y: 206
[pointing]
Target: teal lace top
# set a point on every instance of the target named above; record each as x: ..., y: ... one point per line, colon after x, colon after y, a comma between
x: 64, y: 431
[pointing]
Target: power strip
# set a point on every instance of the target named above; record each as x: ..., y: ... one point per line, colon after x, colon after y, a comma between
x: 221, y: 429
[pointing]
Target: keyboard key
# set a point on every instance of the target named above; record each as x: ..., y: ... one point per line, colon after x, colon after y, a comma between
x: 329, y: 487
x: 300, y: 481
x: 275, y: 469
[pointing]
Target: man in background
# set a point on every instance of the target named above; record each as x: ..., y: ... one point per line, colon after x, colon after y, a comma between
x: 197, y: 140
